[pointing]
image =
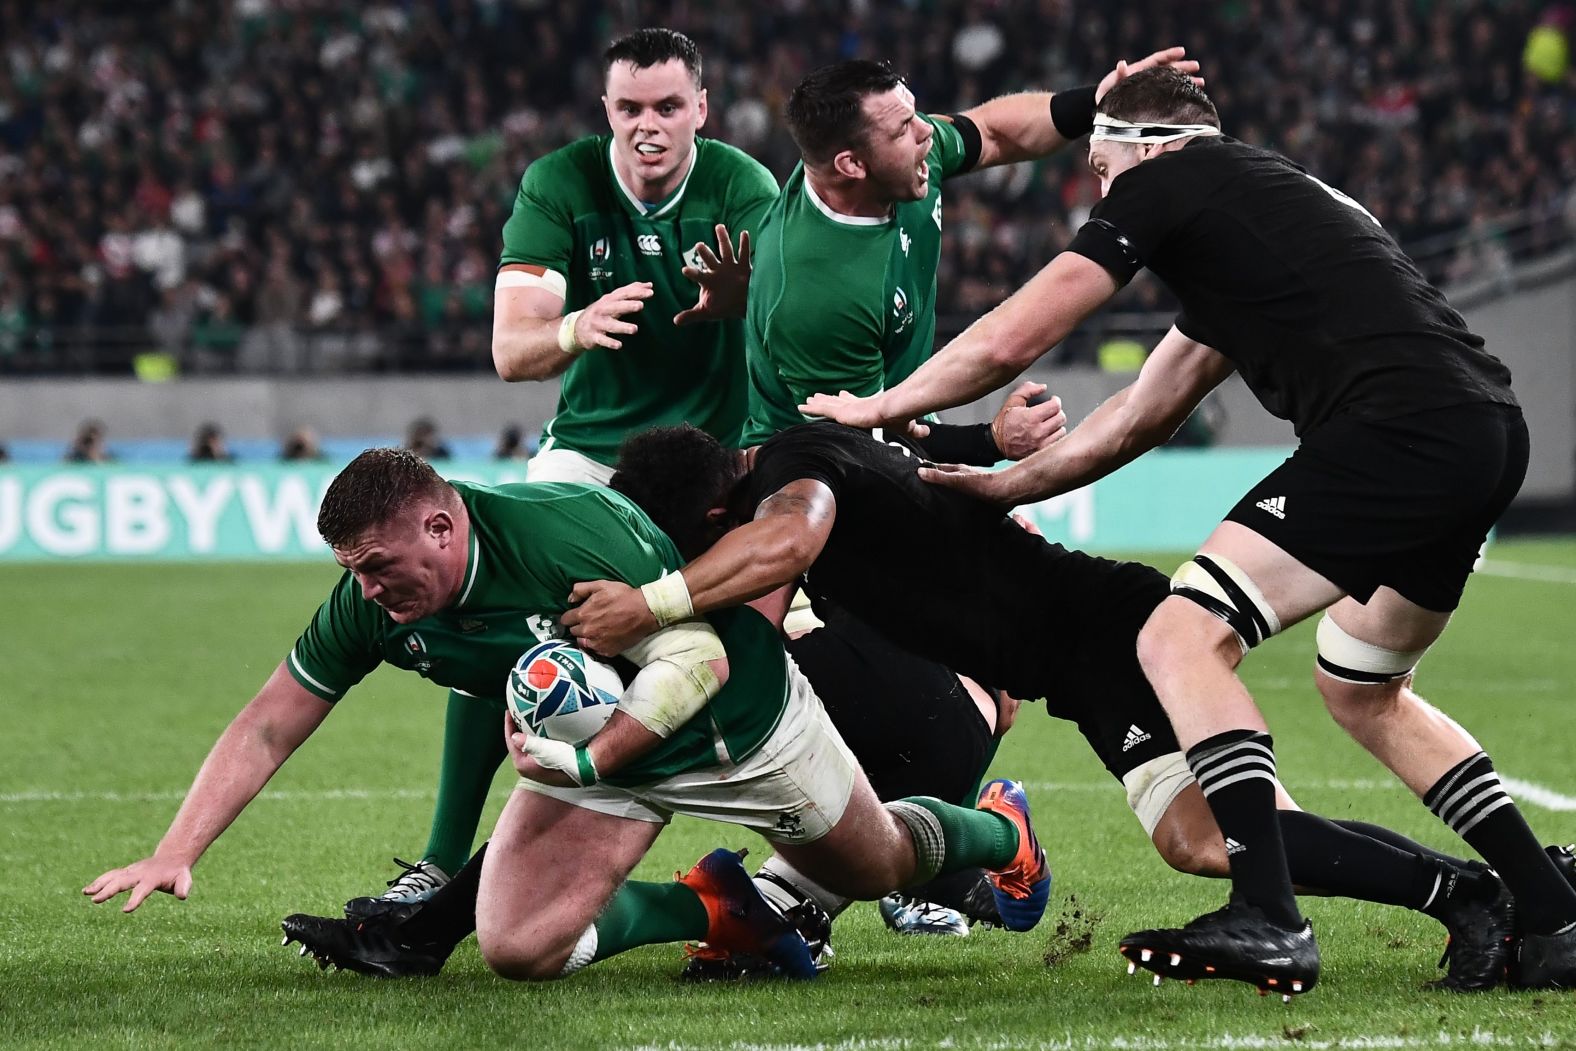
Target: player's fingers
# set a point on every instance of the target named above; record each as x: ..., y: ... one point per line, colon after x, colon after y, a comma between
x: 183, y: 884
x: 710, y: 258
x: 685, y: 317
x: 635, y: 289
x: 1022, y: 394
x: 607, y: 341
x: 93, y: 888
x: 744, y: 248
x: 139, y: 894
x: 622, y: 328
x: 109, y: 885
x: 724, y: 243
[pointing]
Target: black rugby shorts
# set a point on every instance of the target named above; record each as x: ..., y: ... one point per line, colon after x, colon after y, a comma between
x: 1404, y: 503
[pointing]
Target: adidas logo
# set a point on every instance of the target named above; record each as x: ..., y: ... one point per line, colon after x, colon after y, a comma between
x: 1275, y: 505
x: 1233, y: 847
x: 1135, y: 737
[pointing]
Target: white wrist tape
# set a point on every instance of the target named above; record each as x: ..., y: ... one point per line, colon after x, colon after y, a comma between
x: 675, y: 681
x: 566, y: 333
x: 668, y: 598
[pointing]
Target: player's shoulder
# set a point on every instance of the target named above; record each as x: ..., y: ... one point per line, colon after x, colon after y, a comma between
x: 826, y: 436
x: 721, y: 162
x: 578, y: 163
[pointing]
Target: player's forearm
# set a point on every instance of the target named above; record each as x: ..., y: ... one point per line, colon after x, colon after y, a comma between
x: 1015, y: 128
x: 752, y: 560
x: 240, y: 764
x: 528, y: 349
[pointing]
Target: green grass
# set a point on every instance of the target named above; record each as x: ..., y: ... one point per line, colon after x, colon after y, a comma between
x: 116, y: 680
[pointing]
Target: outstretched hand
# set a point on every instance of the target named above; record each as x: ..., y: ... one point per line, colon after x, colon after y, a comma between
x: 864, y: 413
x: 142, y: 878
x: 723, y: 277
x: 604, y: 321
x: 1171, y: 56
x: 993, y: 487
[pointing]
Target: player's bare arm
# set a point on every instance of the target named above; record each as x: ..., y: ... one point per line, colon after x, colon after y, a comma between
x: 534, y: 340
x: 789, y: 530
x: 723, y: 277
x: 989, y: 353
x: 1014, y: 128
x: 252, y: 747
x: 1175, y: 378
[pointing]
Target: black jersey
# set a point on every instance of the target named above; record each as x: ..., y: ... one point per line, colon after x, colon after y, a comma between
x: 1296, y: 283
x: 948, y: 577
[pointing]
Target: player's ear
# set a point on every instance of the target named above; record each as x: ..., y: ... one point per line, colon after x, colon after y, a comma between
x: 849, y: 165
x: 700, y: 110
x: 439, y: 525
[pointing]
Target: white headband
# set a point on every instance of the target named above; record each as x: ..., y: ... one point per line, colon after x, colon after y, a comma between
x: 1144, y: 134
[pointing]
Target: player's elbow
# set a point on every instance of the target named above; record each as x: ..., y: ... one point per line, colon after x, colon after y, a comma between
x: 1011, y: 355
x: 508, y: 361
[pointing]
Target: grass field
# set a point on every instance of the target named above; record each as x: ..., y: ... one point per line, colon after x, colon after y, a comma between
x: 116, y: 680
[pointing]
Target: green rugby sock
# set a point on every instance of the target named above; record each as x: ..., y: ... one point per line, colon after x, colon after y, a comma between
x: 649, y: 914
x: 473, y: 747
x: 968, y: 838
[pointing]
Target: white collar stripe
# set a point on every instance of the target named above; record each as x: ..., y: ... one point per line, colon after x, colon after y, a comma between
x: 476, y: 565
x: 640, y: 206
x: 838, y: 217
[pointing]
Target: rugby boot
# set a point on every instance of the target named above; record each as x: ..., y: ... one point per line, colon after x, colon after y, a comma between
x: 741, y: 921
x: 1023, y: 887
x: 1544, y: 961
x: 373, y: 946
x: 1481, y: 919
x: 1237, y: 942
x: 706, y: 963
x: 904, y: 915
x: 407, y: 892
x: 968, y: 891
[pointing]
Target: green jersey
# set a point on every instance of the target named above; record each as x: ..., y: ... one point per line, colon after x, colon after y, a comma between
x: 529, y: 544
x: 575, y: 217
x: 839, y: 302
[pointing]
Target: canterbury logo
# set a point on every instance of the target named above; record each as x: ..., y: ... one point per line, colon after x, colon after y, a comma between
x: 1275, y: 505
x: 1135, y: 737
x: 649, y: 244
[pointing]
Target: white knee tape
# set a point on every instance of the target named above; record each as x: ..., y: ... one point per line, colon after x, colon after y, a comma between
x: 1226, y: 591
x: 583, y: 953
x: 1350, y: 659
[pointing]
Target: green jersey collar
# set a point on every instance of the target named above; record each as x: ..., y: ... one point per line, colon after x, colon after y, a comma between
x: 653, y: 211
x: 838, y: 217
x: 473, y: 565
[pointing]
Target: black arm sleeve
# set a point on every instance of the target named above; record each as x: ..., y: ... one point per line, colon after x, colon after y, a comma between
x: 1072, y: 112
x: 969, y: 443
x: 973, y: 143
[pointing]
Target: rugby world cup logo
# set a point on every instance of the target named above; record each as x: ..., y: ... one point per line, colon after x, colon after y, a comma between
x: 599, y: 250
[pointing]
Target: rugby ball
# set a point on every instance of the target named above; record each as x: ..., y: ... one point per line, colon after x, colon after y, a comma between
x: 558, y: 691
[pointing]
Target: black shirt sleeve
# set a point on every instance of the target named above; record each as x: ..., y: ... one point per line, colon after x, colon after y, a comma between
x: 969, y: 443
x: 793, y: 455
x: 1128, y: 227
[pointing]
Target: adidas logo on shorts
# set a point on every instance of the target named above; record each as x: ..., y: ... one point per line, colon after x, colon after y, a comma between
x: 1275, y: 505
x: 1233, y: 847
x: 1135, y: 737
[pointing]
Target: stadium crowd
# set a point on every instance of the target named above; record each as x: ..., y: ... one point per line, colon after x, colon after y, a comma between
x: 253, y: 185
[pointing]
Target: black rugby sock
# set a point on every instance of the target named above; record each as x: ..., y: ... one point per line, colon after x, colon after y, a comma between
x: 1322, y: 855
x: 1471, y: 800
x: 1395, y: 839
x: 449, y: 916
x: 1236, y: 771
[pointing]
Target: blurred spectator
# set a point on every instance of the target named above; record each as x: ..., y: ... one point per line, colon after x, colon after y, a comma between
x: 511, y: 444
x: 89, y: 446
x: 423, y: 440
x: 302, y: 445
x: 347, y: 169
x: 208, y: 446
x: 5, y: 453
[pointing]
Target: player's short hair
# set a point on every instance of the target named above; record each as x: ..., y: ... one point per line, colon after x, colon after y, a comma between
x: 653, y: 46
x: 826, y: 109
x: 1161, y: 95
x: 676, y: 475
x: 373, y: 489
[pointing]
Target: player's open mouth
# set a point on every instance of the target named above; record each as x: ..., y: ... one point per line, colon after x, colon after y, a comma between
x: 923, y: 171
x: 649, y: 149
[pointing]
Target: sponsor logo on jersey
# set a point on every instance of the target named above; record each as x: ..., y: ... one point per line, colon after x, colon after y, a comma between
x: 1135, y: 737
x: 649, y: 244
x: 935, y: 213
x: 1275, y: 505
x: 471, y: 627
x: 904, y: 241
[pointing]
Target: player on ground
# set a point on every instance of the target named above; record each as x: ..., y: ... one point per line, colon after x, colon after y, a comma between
x: 454, y: 581
x: 597, y: 285
x: 955, y: 580
x: 1412, y: 445
x: 843, y: 296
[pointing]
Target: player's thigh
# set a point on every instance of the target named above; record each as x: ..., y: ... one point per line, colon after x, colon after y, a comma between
x: 1290, y: 589
x: 1390, y: 621
x: 865, y: 855
x: 566, y: 465
x: 550, y: 868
